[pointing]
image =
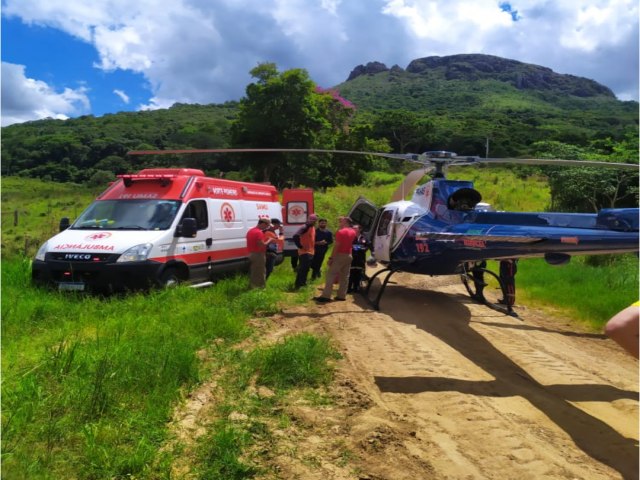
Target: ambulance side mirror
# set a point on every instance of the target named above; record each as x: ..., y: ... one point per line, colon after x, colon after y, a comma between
x: 64, y: 223
x: 187, y: 228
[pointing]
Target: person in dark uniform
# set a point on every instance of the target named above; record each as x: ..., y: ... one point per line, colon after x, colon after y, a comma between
x: 324, y: 238
x: 359, y: 260
x: 508, y: 269
x: 477, y: 275
x: 275, y: 233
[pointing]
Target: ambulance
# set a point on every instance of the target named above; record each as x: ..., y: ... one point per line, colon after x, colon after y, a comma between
x: 297, y: 208
x: 163, y: 226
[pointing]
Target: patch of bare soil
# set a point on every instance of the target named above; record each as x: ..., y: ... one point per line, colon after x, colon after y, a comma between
x: 434, y: 386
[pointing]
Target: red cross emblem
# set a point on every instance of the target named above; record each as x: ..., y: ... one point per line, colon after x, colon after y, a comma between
x: 296, y: 211
x: 97, y: 236
x: 227, y: 214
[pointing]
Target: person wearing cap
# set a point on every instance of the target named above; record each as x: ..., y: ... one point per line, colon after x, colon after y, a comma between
x: 257, y: 246
x: 275, y: 234
x: 305, y: 239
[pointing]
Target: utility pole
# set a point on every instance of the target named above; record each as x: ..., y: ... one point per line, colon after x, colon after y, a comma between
x: 486, y: 150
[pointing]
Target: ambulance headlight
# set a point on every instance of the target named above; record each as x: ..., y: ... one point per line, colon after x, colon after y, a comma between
x: 139, y: 253
x: 42, y: 251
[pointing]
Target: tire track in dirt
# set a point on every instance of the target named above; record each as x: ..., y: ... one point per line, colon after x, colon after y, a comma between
x: 459, y: 391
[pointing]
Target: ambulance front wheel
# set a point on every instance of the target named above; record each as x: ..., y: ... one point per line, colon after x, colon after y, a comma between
x: 169, y: 278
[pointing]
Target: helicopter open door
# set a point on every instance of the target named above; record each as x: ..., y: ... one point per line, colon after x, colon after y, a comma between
x: 377, y: 226
x: 383, y: 235
x: 364, y: 213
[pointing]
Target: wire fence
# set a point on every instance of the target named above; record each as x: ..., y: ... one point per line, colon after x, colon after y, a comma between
x: 22, y: 233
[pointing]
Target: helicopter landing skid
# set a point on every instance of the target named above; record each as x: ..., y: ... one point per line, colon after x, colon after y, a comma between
x: 477, y: 280
x: 375, y: 303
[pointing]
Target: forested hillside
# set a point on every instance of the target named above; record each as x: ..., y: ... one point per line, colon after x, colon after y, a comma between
x: 76, y: 149
x: 460, y: 103
x: 469, y: 98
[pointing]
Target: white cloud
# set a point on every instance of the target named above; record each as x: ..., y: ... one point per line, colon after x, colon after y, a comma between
x: 25, y: 99
x: 438, y: 20
x: 600, y: 24
x: 330, y: 6
x: 122, y: 95
x: 198, y: 51
x: 155, y: 104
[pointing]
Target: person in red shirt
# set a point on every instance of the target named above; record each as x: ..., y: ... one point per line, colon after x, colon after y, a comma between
x: 305, y: 240
x: 275, y: 233
x: 257, y: 246
x: 339, y: 262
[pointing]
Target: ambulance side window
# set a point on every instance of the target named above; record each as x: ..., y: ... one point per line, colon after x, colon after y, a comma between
x: 198, y: 210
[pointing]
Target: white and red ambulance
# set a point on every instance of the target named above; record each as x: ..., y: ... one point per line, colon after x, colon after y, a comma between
x: 162, y: 226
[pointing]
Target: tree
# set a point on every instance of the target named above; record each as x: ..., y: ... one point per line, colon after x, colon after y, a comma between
x: 580, y: 189
x: 100, y: 178
x: 404, y: 129
x: 287, y: 110
x: 114, y: 164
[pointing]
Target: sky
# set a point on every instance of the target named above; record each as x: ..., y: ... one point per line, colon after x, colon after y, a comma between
x: 67, y: 58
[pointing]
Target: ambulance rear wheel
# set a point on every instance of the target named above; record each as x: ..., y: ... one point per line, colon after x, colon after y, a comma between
x: 169, y: 278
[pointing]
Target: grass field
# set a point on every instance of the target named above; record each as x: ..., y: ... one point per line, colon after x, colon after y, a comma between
x: 89, y: 383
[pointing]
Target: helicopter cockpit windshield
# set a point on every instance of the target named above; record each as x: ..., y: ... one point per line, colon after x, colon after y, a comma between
x: 464, y: 199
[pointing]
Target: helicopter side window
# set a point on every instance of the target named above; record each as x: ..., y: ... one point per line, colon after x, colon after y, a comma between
x: 385, y: 221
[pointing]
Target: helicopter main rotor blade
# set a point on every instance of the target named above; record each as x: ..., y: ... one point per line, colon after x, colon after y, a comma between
x: 559, y: 161
x: 441, y: 159
x: 408, y: 157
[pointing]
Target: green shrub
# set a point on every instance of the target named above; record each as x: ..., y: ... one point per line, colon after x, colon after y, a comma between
x: 297, y: 361
x: 220, y: 454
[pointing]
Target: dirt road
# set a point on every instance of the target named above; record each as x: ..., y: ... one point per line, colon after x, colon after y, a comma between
x: 434, y: 386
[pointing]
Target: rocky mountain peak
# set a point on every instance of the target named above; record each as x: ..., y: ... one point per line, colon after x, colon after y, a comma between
x: 370, y: 68
x: 474, y: 67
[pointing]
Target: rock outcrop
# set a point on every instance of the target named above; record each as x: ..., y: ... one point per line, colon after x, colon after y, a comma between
x: 475, y: 67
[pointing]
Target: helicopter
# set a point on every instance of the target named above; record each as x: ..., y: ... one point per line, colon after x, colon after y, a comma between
x: 445, y: 228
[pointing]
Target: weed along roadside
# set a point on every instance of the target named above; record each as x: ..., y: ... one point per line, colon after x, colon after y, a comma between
x: 90, y: 383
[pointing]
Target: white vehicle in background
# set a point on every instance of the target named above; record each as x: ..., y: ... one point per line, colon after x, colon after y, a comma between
x: 162, y: 226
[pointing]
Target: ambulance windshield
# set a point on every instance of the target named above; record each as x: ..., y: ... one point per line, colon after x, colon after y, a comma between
x: 138, y: 214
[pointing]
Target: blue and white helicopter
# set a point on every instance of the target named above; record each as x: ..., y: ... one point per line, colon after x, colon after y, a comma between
x: 445, y: 229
